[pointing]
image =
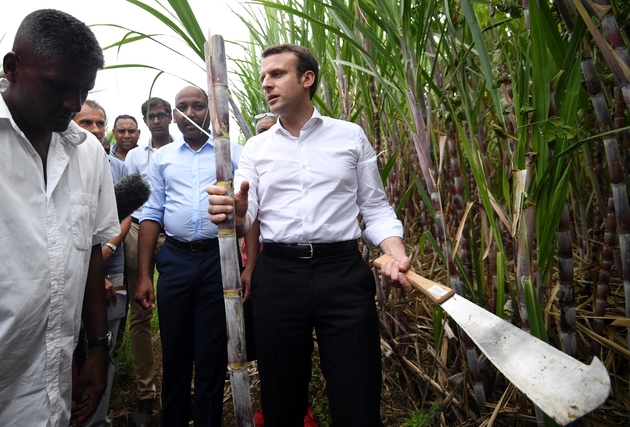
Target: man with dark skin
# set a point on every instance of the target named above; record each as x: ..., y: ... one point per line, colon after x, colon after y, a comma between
x: 58, y: 197
x: 126, y: 134
x: 189, y: 288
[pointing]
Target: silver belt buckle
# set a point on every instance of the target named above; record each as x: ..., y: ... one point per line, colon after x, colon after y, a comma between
x: 310, y: 246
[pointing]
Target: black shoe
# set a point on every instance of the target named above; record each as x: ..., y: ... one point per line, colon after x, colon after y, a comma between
x: 142, y: 415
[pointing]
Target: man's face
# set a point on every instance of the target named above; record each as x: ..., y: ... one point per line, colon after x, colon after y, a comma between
x: 126, y: 134
x: 93, y: 120
x: 45, y: 95
x: 193, y: 104
x: 158, y: 121
x: 264, y: 124
x: 284, y: 90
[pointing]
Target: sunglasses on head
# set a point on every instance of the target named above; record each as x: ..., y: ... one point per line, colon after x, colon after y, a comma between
x: 261, y: 115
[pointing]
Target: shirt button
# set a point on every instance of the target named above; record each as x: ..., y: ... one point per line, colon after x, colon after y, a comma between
x: 306, y: 192
x: 53, y: 241
x: 306, y: 219
x: 303, y: 166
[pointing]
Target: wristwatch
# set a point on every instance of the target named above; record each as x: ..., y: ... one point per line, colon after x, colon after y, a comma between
x: 112, y: 246
x: 105, y: 341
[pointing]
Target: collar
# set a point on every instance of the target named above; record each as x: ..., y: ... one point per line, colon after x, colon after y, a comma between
x: 180, y: 142
x: 314, y: 121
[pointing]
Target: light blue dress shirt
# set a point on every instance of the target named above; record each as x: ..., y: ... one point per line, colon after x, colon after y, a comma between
x: 179, y: 177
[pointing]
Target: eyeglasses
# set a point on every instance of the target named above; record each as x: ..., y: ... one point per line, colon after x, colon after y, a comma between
x: 159, y: 116
x: 261, y: 115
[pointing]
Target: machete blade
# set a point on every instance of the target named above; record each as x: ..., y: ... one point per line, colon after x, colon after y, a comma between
x: 563, y: 387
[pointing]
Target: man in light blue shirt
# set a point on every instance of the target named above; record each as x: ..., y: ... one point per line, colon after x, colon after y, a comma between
x: 190, y: 291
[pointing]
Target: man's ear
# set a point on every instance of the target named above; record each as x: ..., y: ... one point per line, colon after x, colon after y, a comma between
x: 308, y: 79
x: 11, y: 64
x: 138, y: 133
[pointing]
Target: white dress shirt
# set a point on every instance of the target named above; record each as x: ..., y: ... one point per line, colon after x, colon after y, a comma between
x: 46, y: 235
x: 311, y: 188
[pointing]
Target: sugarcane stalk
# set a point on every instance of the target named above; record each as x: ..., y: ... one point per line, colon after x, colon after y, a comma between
x: 566, y: 300
x: 605, y: 266
x: 218, y: 97
x: 615, y: 171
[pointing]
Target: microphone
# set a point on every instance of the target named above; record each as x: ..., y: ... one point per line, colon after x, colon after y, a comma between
x: 131, y: 193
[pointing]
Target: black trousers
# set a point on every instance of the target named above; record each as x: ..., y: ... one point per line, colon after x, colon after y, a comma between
x: 192, y: 328
x: 335, y: 296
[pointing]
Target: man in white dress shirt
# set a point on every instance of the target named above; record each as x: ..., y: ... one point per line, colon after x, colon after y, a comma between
x: 309, y: 177
x: 57, y: 207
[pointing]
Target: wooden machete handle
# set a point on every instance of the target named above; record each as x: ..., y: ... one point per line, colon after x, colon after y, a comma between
x: 434, y: 291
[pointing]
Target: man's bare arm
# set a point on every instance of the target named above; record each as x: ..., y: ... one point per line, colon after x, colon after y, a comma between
x: 147, y: 239
x: 93, y: 374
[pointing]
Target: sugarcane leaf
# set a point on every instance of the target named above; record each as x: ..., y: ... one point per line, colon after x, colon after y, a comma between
x: 193, y: 44
x: 404, y: 198
x: 548, y: 219
x: 141, y: 36
x: 388, y: 166
x: 555, y: 128
x: 423, y: 192
x: 435, y: 246
x: 482, y: 51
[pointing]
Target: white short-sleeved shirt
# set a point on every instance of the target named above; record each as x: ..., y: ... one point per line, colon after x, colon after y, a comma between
x: 46, y: 235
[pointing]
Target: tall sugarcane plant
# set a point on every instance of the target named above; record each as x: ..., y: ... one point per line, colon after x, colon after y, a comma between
x: 501, y: 129
x: 228, y: 245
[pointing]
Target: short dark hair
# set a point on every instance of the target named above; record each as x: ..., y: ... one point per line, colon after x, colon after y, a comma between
x: 125, y: 116
x: 95, y: 105
x: 52, y: 33
x: 306, y: 60
x: 154, y: 102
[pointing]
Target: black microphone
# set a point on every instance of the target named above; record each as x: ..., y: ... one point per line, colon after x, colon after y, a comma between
x: 131, y: 193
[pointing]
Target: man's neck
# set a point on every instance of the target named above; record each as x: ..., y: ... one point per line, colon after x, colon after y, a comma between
x: 121, y: 153
x: 161, y: 141
x: 195, y: 144
x: 295, y: 121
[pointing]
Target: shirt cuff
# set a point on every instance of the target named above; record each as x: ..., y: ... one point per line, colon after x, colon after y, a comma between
x: 377, y: 232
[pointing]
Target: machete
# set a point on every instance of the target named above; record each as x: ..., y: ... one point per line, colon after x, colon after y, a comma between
x: 563, y: 387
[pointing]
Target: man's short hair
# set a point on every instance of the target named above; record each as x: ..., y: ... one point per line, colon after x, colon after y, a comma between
x: 154, y: 102
x: 52, y: 33
x: 96, y: 106
x: 306, y: 60
x: 125, y: 116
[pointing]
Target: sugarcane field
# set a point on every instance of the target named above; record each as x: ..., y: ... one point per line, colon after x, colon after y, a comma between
x: 501, y: 131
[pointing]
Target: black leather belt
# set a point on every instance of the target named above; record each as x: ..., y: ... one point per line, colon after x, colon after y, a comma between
x: 135, y: 220
x: 310, y: 250
x: 195, y: 246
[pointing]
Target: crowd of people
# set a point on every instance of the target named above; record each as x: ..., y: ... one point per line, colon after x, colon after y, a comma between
x: 69, y: 263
